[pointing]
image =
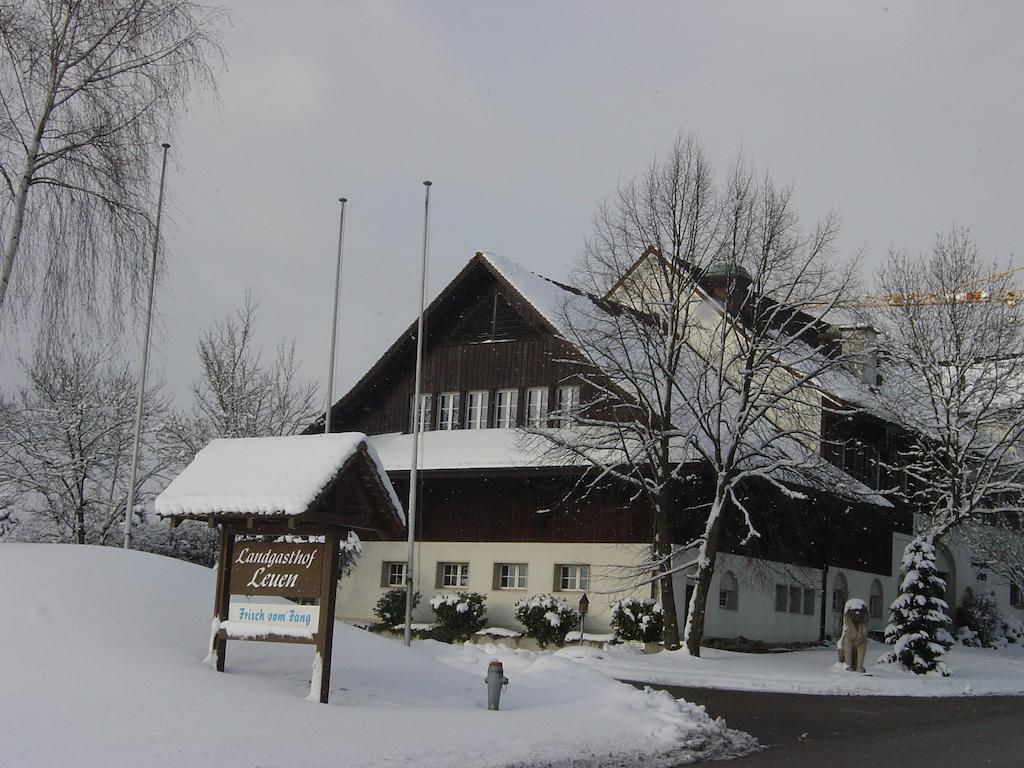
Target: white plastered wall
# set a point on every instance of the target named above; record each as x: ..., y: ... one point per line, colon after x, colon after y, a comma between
x: 359, y: 592
x: 755, y: 617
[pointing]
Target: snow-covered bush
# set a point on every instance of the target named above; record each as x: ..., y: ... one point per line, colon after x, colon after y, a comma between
x: 634, y: 619
x: 1013, y: 631
x: 459, y: 613
x: 350, y: 551
x: 547, y: 618
x: 917, y: 622
x: 968, y: 637
x: 982, y: 616
x: 390, y: 608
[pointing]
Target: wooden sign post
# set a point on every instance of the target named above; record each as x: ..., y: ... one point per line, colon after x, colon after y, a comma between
x: 260, y: 566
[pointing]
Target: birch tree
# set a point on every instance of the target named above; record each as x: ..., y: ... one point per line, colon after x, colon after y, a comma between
x: 65, y: 446
x: 88, y: 90
x: 693, y: 392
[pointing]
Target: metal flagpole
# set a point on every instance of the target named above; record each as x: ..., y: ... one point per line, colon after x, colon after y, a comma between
x: 145, y: 359
x: 416, y: 422
x: 334, y: 320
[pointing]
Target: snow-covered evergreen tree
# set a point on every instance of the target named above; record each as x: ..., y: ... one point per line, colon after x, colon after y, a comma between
x: 918, y: 620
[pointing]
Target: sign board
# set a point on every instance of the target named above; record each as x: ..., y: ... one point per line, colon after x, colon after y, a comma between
x: 277, y: 568
x: 277, y: 616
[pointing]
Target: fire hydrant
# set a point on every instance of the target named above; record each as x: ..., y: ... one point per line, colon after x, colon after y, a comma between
x: 496, y: 680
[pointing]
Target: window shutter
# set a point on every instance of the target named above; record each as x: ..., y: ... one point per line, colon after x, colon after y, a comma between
x: 496, y: 580
x: 384, y: 574
x: 439, y: 576
x: 557, y: 586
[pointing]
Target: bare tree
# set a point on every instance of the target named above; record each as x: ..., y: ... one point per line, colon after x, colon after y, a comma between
x: 88, y: 89
x: 955, y: 343
x: 954, y: 340
x: 65, y: 446
x: 701, y: 366
x: 238, y: 395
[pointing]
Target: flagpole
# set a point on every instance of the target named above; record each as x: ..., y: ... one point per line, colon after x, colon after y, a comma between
x: 334, y: 320
x: 413, y: 467
x: 145, y: 359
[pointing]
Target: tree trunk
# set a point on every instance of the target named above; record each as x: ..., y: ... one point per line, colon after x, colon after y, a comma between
x: 708, y: 553
x: 670, y: 636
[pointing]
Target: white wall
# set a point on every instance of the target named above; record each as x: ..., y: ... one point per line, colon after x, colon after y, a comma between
x: 358, y: 593
x: 755, y: 617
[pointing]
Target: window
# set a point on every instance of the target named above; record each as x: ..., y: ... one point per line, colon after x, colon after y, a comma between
x: 728, y: 592
x: 476, y: 410
x: 790, y: 599
x: 506, y: 406
x: 448, y: 410
x: 510, y: 575
x: 452, y: 575
x: 809, y: 595
x: 781, y: 598
x: 572, y: 578
x: 568, y: 404
x: 794, y: 599
x: 875, y: 600
x: 537, y: 407
x: 1016, y: 595
x: 426, y: 401
x: 392, y: 575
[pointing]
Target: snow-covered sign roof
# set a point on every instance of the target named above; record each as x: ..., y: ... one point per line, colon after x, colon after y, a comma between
x: 270, y: 476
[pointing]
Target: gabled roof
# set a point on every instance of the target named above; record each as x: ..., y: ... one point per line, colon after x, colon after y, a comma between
x: 280, y: 477
x: 537, y: 298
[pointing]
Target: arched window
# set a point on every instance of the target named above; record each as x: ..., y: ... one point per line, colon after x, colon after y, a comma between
x: 729, y: 592
x: 876, y: 600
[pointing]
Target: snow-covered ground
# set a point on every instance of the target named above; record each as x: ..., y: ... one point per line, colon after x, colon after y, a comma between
x: 976, y: 671
x: 102, y: 665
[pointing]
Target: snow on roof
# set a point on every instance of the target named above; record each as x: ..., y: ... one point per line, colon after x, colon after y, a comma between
x: 462, y: 449
x: 544, y: 295
x: 265, y: 475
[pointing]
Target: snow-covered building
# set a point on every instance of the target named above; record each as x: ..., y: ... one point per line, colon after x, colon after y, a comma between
x: 497, y: 514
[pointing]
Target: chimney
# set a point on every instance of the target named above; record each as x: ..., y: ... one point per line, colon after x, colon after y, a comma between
x: 860, y: 343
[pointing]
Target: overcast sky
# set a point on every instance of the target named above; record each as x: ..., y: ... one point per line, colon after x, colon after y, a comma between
x: 904, y: 118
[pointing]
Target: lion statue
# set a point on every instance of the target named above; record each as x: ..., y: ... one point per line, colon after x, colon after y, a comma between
x: 853, y: 643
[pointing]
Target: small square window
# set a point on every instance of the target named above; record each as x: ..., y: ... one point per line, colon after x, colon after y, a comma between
x: 572, y: 578
x: 510, y: 575
x: 452, y: 575
x: 393, y: 574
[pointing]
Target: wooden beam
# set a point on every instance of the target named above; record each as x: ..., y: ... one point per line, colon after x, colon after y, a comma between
x: 328, y: 595
x: 222, y: 598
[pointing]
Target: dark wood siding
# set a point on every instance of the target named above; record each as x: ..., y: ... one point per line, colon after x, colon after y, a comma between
x: 523, y: 508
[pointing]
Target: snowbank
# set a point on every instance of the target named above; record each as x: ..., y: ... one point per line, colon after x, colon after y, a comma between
x: 976, y: 671
x: 103, y: 666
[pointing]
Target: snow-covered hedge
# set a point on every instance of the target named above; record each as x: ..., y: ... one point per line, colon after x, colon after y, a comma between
x: 459, y: 613
x: 634, y: 619
x: 390, y: 608
x: 547, y: 618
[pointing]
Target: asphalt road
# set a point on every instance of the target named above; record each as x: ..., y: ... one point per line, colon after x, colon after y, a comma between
x: 869, y: 731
